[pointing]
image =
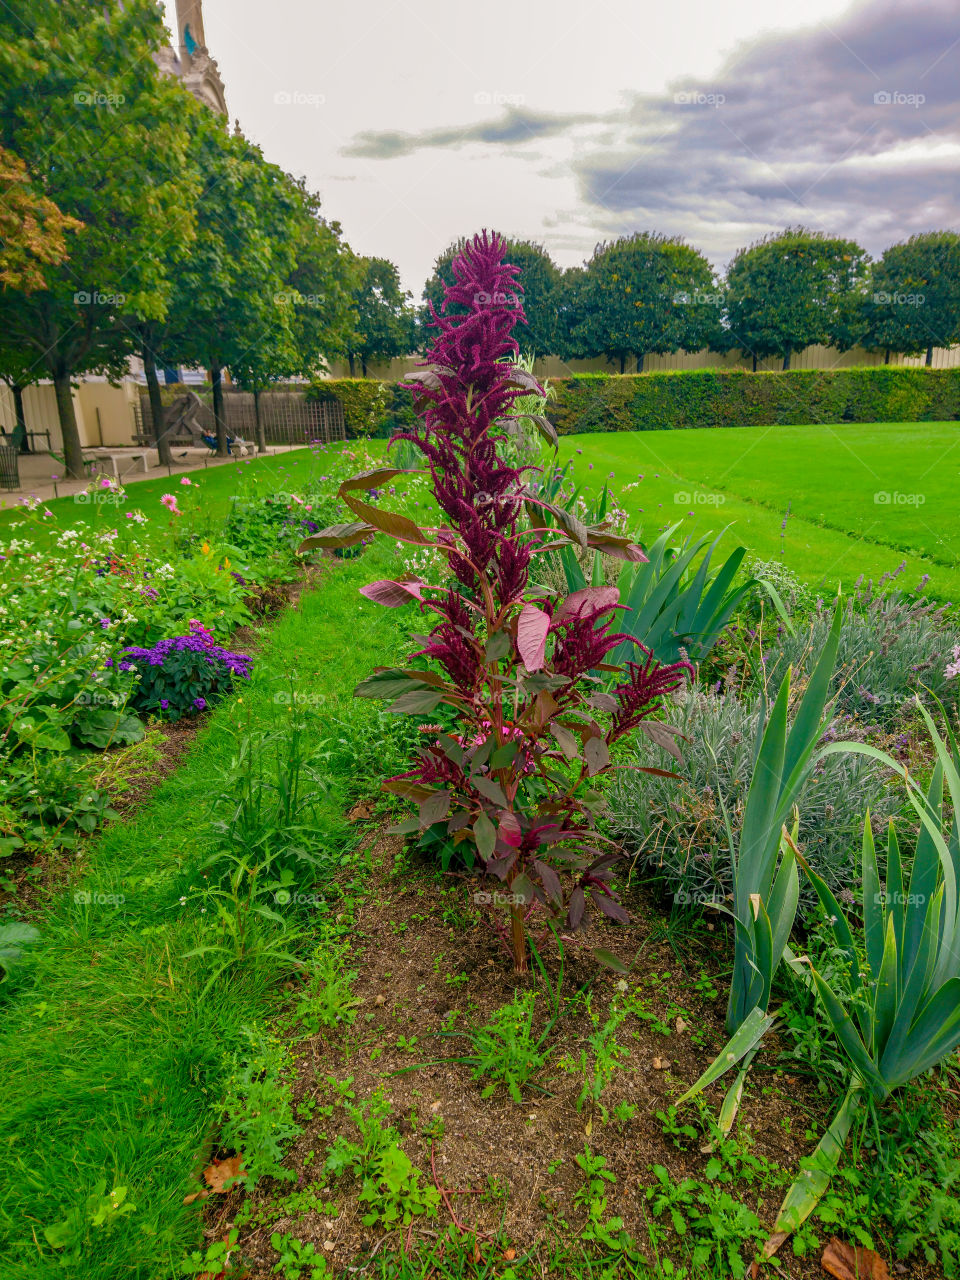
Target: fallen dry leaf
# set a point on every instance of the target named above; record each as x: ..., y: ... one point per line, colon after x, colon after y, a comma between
x: 681, y: 1026
x: 853, y: 1262
x: 217, y: 1176
x: 509, y: 1254
x: 661, y: 1064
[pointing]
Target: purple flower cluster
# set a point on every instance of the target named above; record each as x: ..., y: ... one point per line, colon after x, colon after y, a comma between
x: 198, y: 640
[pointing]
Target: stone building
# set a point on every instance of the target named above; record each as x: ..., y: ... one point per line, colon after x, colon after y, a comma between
x: 190, y: 61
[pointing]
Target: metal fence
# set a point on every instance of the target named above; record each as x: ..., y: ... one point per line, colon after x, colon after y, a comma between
x: 9, y: 467
x: 287, y: 417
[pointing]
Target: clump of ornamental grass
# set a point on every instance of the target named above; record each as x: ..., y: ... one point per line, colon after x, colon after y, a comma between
x: 512, y: 782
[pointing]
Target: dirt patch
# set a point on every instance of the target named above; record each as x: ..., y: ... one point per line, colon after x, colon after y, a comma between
x: 428, y: 967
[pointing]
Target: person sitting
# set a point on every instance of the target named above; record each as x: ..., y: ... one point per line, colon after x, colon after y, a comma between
x: 211, y: 443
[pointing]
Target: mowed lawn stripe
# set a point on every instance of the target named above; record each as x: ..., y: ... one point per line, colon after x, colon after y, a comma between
x: 827, y: 477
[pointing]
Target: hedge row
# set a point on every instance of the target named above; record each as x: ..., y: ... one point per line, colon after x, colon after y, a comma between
x: 370, y: 408
x: 738, y: 398
x: 692, y: 398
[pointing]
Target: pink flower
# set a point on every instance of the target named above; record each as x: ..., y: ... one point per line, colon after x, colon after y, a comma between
x: 186, y: 480
x: 170, y: 502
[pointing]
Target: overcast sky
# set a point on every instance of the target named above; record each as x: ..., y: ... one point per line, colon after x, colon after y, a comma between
x: 569, y: 123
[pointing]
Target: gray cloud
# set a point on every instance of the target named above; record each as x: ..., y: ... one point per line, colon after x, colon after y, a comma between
x: 852, y: 127
x: 513, y: 128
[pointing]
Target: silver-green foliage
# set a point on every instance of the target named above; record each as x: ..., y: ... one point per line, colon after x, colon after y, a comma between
x: 677, y: 830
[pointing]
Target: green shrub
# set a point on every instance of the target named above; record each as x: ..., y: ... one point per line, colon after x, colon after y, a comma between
x: 364, y: 402
x: 738, y: 398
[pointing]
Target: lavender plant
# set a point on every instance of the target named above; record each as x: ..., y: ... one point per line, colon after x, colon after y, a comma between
x: 513, y: 781
x: 183, y: 674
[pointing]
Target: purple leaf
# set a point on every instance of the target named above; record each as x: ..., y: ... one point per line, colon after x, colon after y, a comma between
x: 532, y: 628
x: 393, y: 594
x: 596, y: 754
x: 587, y: 600
x: 578, y: 904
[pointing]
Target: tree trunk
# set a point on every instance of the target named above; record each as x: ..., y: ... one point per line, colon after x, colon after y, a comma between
x: 623, y: 363
x: 754, y: 362
x: 640, y: 362
x: 886, y: 356
x: 215, y: 379
x: 786, y: 358
x: 72, y: 451
x: 21, y: 418
x: 258, y: 421
x: 161, y: 436
x: 929, y: 360
x: 353, y: 365
x: 363, y: 365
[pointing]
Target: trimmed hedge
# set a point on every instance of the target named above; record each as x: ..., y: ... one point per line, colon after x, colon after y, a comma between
x: 370, y: 408
x: 739, y: 398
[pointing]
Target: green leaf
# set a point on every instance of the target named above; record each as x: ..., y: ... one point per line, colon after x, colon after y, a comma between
x: 485, y: 834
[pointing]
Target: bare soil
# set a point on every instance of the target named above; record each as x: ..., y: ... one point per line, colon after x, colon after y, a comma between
x: 508, y: 1171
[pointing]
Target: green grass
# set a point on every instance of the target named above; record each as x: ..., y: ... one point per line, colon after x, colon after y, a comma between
x: 827, y: 474
x: 218, y: 487
x: 112, y: 1055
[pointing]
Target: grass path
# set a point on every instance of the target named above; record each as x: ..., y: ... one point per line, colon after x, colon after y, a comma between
x: 829, y: 476
x: 112, y: 1056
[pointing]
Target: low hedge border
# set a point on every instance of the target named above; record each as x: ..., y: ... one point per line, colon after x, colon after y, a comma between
x: 738, y: 398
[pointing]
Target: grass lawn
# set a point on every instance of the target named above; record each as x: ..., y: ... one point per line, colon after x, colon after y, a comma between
x: 829, y: 476
x: 218, y: 487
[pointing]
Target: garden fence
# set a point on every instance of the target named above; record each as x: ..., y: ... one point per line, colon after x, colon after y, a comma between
x: 287, y: 417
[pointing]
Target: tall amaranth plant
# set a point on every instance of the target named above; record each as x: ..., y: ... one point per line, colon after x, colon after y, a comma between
x: 512, y: 782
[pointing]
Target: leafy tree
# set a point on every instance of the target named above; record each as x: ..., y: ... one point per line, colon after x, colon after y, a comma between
x: 913, y: 303
x: 231, y: 294
x: 642, y: 294
x: 319, y: 292
x: 795, y: 289
x: 541, y: 279
x: 33, y: 231
x: 18, y: 370
x: 323, y: 282
x: 384, y: 321
x: 78, y: 83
